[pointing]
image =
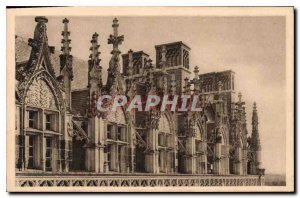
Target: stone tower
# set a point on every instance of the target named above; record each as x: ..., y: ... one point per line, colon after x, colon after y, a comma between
x: 139, y: 59
x: 174, y: 59
x: 66, y: 68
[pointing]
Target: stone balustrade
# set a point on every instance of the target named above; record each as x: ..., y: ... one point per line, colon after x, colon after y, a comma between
x: 136, y: 180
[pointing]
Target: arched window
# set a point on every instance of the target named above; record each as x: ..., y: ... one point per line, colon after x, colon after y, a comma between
x: 117, y: 141
x: 165, y: 145
x: 42, y: 120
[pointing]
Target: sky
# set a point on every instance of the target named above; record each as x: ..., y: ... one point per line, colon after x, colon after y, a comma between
x: 253, y: 47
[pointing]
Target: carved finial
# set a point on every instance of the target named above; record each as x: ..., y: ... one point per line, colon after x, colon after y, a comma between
x: 196, y: 72
x: 94, y: 56
x: 65, y: 40
x: 95, y: 70
x: 254, y: 106
x: 114, y: 65
x: 66, y: 59
x: 115, y: 39
x: 42, y: 19
x: 40, y: 35
x: 115, y: 25
x: 66, y: 20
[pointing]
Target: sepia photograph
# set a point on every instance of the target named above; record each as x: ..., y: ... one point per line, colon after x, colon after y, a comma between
x: 157, y: 99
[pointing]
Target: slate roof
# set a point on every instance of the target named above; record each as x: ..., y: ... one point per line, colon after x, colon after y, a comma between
x: 22, y: 49
x: 80, y: 67
x: 79, y: 101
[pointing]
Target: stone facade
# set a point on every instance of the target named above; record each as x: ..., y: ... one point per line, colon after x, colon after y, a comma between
x: 60, y: 130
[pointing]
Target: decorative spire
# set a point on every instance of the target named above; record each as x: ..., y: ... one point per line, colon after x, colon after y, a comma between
x: 254, y: 115
x: 196, y: 72
x: 94, y: 56
x: 95, y: 70
x: 115, y: 39
x: 65, y: 40
x: 130, y: 63
x: 255, y: 133
x: 65, y: 58
x: 114, y: 63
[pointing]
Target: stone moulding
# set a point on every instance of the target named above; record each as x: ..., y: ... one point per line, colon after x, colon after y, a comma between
x: 138, y: 181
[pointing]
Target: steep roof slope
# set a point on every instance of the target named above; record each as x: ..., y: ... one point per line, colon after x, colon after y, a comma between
x: 80, y: 67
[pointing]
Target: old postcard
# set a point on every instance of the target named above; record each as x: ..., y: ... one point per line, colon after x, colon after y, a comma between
x: 157, y: 99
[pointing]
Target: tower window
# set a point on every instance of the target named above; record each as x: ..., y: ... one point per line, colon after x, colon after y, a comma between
x: 33, y: 119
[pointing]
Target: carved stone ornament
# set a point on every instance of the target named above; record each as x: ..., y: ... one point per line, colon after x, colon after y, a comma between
x: 117, y: 116
x: 41, y: 91
x: 153, y: 118
x: 40, y: 52
x: 39, y: 94
x: 39, y: 67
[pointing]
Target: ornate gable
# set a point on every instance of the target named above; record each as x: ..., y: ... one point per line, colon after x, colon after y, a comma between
x: 37, y: 80
x: 40, y: 53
